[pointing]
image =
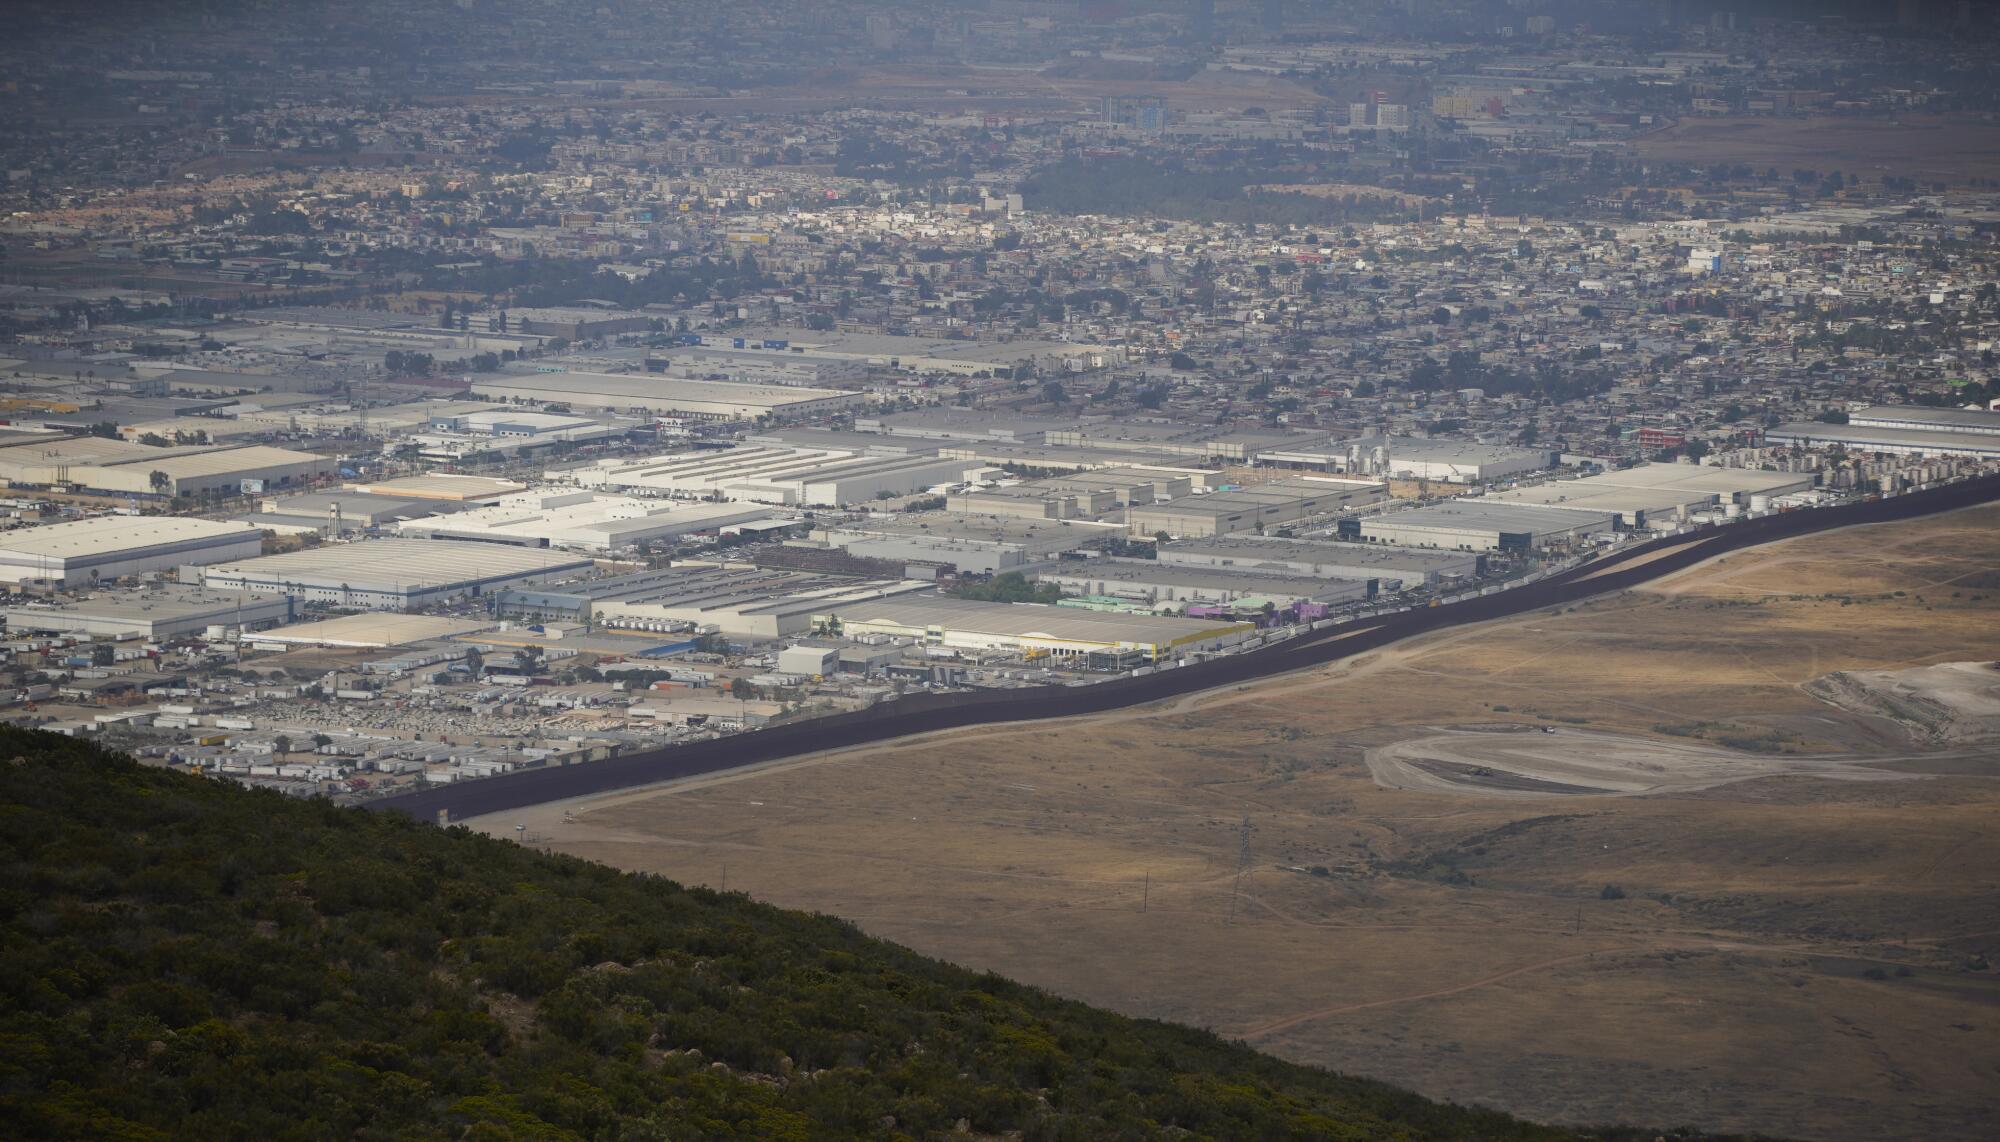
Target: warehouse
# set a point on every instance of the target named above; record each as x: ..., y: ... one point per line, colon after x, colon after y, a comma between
x: 1389, y: 568
x: 975, y: 544
x: 971, y: 425
x: 444, y: 486
x: 1476, y: 525
x: 1033, y: 501
x: 157, y: 612
x: 194, y: 472
x: 578, y: 520
x: 1890, y: 441
x: 1149, y: 581
x: 393, y: 574
x: 338, y: 513
x: 1729, y: 485
x: 1249, y: 509
x: 1636, y: 508
x: 701, y: 400
x: 109, y: 547
x: 755, y: 367
x: 1922, y: 418
x: 1027, y: 630
x: 367, y: 632
x: 452, y: 437
x: 46, y: 459
x: 574, y: 602
x: 793, y: 476
x: 575, y: 323
x: 1186, y: 441
x: 747, y: 602
x: 1415, y: 458
x: 919, y: 354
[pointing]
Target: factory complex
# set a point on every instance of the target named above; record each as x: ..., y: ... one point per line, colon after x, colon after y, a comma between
x: 653, y: 583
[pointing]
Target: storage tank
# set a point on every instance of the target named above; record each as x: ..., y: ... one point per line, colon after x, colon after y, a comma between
x: 1760, y: 503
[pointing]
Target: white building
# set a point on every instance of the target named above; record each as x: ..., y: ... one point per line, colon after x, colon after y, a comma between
x: 648, y: 393
x: 795, y: 476
x: 107, y: 547
x: 579, y: 520
x: 394, y: 574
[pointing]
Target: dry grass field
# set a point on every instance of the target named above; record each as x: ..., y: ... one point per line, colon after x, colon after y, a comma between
x: 1924, y: 147
x: 1782, y: 953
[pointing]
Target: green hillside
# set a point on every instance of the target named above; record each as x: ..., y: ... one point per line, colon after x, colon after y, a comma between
x: 187, y: 959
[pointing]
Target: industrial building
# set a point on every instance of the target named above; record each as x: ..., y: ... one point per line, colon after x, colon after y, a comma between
x: 791, y: 476
x: 1180, y: 440
x: 444, y: 486
x: 1746, y: 487
x: 764, y: 367
x: 161, y: 611
x: 579, y: 520
x: 1252, y: 508
x: 393, y: 574
x: 575, y: 323
x: 1151, y: 582
x: 666, y: 396
x: 918, y: 354
x: 1891, y: 441
x: 970, y: 425
x: 1388, y: 568
x: 1441, y: 459
x: 1027, y: 630
x: 1635, y: 508
x: 1923, y: 418
x: 1033, y: 501
x: 1083, y: 495
x: 110, y: 547
x: 338, y: 513
x: 575, y: 602
x: 450, y: 436
x: 367, y: 632
x: 747, y: 602
x: 975, y: 544
x: 102, y: 465
x: 1478, y: 525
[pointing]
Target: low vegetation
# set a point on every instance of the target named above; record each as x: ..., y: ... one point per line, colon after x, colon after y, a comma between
x: 188, y: 959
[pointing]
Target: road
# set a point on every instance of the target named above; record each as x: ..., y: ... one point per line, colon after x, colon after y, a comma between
x: 931, y: 712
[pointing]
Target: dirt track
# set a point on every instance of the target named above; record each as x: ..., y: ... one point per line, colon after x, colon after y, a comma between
x: 1574, y: 762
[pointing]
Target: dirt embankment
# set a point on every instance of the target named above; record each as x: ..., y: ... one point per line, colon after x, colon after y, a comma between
x: 1951, y: 701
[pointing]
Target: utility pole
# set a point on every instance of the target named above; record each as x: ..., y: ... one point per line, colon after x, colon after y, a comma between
x: 1146, y: 896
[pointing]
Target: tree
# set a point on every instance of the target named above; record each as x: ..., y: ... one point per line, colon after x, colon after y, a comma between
x: 281, y: 745
x: 1054, y: 393
x: 742, y: 689
x: 160, y: 481
x: 102, y: 654
x: 475, y: 662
